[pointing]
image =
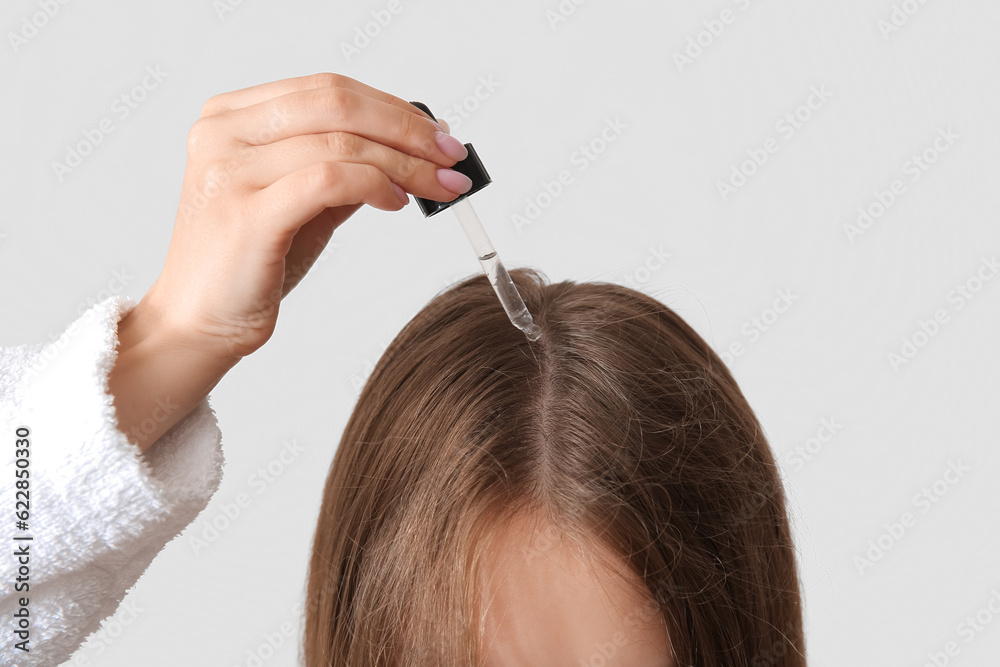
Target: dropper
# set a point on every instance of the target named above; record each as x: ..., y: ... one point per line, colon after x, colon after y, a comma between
x: 502, y: 284
x: 511, y: 299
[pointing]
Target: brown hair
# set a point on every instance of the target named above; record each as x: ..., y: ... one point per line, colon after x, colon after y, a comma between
x: 620, y: 423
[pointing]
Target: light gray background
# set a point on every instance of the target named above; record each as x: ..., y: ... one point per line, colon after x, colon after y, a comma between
x: 654, y: 187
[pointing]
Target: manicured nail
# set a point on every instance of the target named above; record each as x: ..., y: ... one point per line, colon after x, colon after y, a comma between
x: 451, y: 146
x: 454, y: 181
x: 401, y: 193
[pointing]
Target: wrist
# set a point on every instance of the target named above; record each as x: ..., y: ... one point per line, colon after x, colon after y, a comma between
x: 161, y: 373
x: 153, y: 321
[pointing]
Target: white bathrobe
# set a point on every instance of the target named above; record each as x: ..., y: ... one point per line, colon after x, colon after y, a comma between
x: 99, y: 510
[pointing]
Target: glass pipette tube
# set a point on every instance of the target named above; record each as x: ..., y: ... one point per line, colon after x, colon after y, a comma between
x: 511, y: 299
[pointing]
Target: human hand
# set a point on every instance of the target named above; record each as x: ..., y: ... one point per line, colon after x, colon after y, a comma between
x: 272, y: 171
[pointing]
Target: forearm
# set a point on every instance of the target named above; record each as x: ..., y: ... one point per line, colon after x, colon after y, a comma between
x: 159, y: 376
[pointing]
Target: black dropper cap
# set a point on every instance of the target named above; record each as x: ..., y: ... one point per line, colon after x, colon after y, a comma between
x: 471, y: 166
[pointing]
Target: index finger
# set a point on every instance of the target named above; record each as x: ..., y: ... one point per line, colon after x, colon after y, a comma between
x: 246, y: 97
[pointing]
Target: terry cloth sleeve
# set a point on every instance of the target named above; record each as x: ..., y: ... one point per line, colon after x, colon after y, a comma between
x: 99, y: 509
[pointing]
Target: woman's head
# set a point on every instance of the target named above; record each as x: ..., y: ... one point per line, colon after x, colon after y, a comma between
x: 602, y: 496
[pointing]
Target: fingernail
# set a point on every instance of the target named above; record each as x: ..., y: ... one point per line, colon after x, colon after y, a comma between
x: 454, y: 181
x: 451, y: 146
x: 401, y: 193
